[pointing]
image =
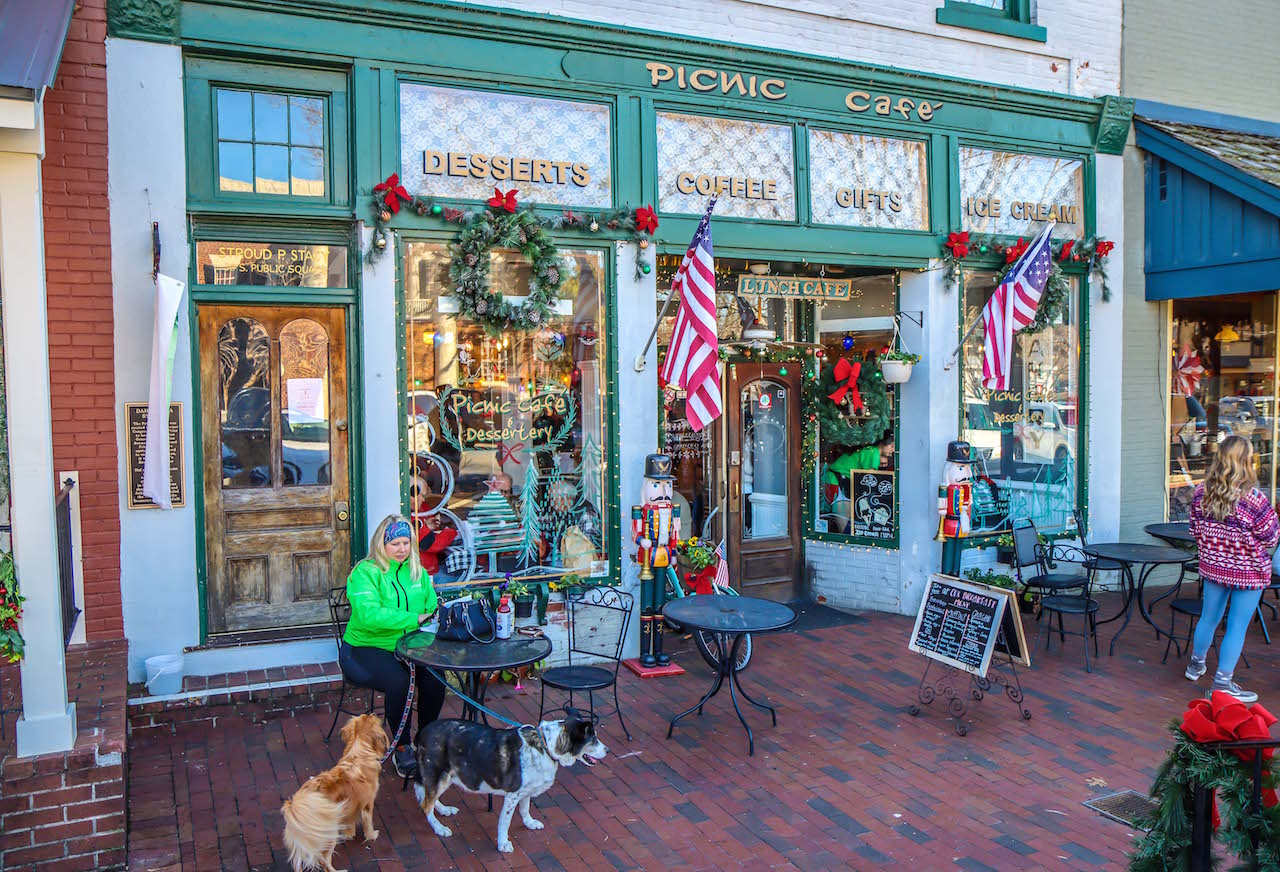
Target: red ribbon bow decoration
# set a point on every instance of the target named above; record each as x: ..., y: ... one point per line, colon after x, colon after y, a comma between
x: 1013, y: 252
x: 1223, y: 718
x: 392, y: 193
x: 505, y: 201
x: 1103, y: 248
x: 508, y: 455
x: 646, y: 221
x: 959, y: 244
x: 847, y: 378
x: 1065, y: 255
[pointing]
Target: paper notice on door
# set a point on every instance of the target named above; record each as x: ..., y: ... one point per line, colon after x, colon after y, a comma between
x: 306, y: 399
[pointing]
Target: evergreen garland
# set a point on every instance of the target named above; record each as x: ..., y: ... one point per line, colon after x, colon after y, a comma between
x: 469, y: 272
x: 835, y: 425
x: 1168, y: 845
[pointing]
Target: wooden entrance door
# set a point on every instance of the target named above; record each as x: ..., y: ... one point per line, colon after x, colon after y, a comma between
x: 273, y: 382
x: 763, y: 445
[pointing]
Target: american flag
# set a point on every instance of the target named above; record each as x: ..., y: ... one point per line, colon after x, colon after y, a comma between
x: 1012, y: 307
x: 692, y: 361
x: 722, y: 567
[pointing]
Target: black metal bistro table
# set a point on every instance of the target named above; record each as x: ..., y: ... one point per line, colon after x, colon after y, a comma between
x: 472, y: 662
x: 1147, y: 558
x: 728, y: 619
x: 1176, y: 533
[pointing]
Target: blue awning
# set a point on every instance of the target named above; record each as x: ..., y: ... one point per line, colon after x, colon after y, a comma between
x: 1212, y: 210
x: 32, y: 33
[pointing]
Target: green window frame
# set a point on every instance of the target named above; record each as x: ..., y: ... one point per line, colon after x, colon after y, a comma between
x: 260, y: 144
x: 208, y: 81
x: 1011, y: 18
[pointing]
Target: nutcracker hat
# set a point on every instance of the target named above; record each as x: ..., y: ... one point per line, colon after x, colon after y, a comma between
x: 658, y: 467
x: 958, y: 452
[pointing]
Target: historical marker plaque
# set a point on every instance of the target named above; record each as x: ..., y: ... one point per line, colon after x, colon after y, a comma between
x: 135, y: 422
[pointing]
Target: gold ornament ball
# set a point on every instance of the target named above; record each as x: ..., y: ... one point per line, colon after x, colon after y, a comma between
x: 594, y: 226
x: 384, y: 216
x: 380, y: 242
x: 644, y: 243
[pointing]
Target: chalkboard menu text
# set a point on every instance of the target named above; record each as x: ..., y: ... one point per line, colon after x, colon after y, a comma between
x: 958, y: 623
x: 135, y: 422
x: 872, y: 511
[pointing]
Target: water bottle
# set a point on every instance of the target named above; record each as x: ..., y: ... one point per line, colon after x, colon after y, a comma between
x: 505, y: 619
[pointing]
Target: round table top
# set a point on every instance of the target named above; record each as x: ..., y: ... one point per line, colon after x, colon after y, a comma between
x: 1134, y: 552
x: 718, y: 613
x: 1174, y: 531
x: 423, y: 647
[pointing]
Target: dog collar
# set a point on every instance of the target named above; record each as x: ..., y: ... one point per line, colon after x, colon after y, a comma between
x: 539, y: 740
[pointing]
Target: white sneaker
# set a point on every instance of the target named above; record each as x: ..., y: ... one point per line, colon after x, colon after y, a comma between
x: 1226, y: 685
x: 1195, y: 669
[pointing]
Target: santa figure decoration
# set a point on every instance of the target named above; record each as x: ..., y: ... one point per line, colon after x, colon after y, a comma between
x: 955, y: 498
x: 655, y: 528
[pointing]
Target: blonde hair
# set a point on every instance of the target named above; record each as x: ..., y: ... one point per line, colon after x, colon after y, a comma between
x: 1230, y: 477
x: 378, y: 548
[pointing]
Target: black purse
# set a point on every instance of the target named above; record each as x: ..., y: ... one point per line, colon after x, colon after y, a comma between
x: 467, y: 620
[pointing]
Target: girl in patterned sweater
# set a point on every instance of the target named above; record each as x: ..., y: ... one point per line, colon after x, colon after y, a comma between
x: 1235, y: 526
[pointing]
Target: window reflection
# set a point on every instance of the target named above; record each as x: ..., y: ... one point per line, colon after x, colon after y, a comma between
x: 1025, y: 440
x: 244, y: 354
x: 270, y: 143
x: 304, y: 424
x: 1222, y: 381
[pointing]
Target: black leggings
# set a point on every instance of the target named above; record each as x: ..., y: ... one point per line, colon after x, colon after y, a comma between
x: 382, y: 670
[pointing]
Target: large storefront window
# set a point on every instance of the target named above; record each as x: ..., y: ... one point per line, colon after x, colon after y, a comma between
x: 518, y: 419
x: 1222, y: 383
x: 1026, y: 440
x: 856, y: 487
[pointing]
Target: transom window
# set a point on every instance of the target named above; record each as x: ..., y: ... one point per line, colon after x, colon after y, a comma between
x: 270, y: 143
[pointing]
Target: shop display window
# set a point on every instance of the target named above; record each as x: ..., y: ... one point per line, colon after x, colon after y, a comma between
x: 1222, y: 383
x: 518, y: 419
x: 1026, y: 441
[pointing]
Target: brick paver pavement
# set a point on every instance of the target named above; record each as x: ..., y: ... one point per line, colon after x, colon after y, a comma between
x: 846, y: 780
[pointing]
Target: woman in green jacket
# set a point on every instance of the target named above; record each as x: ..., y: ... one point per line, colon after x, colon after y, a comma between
x: 390, y: 594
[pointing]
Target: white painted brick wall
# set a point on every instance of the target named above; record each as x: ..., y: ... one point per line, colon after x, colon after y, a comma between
x: 855, y: 577
x: 1082, y: 55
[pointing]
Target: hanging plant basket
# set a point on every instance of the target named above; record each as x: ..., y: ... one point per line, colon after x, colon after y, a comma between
x: 897, y: 362
x: 896, y: 371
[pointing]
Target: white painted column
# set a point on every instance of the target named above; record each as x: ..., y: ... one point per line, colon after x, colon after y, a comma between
x: 1106, y: 361
x: 48, y: 721
x: 382, y: 422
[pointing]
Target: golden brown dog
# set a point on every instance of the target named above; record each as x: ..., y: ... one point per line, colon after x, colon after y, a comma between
x: 325, y: 809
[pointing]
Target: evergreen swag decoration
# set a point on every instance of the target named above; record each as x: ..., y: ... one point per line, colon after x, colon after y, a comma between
x: 469, y: 272
x: 837, y: 424
x: 1230, y: 775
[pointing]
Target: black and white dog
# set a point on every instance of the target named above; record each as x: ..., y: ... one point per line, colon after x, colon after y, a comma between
x: 518, y: 764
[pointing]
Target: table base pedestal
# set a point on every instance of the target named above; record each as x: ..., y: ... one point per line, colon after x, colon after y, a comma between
x: 727, y: 670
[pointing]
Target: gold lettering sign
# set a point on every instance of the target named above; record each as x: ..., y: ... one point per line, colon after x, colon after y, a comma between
x: 503, y: 168
x: 736, y: 187
x: 1023, y: 210
x: 864, y: 198
x: 883, y: 104
x: 716, y: 81
x: 795, y: 287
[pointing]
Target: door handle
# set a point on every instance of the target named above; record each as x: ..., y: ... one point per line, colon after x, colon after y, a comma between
x: 340, y: 424
x: 735, y: 497
x: 343, y: 514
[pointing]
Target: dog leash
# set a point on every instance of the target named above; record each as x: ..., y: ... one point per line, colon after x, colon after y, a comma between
x: 474, y: 703
x: 404, y: 718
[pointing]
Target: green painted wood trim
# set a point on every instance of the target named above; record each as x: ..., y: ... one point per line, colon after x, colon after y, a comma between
x: 197, y: 469
x: 147, y: 20
x: 1113, y: 126
x: 1015, y: 22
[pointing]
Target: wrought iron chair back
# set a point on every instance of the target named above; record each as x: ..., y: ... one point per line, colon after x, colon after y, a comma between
x: 598, y: 621
x: 339, y: 615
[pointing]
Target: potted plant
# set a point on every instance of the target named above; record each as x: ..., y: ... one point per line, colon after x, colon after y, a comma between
x: 1026, y: 603
x: 697, y: 562
x: 1004, y: 549
x: 896, y: 364
x: 572, y: 585
x: 522, y: 597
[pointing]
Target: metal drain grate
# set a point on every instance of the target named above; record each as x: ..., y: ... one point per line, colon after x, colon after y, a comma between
x: 1127, y: 807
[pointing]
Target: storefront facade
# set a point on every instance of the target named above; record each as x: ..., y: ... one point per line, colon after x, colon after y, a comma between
x: 331, y: 375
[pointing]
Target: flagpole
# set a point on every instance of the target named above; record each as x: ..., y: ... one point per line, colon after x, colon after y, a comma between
x: 951, y: 359
x: 642, y: 357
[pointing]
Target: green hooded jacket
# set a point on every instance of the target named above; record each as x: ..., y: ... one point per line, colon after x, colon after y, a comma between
x: 385, y: 605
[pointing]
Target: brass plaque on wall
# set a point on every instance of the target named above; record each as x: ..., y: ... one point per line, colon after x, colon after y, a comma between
x: 135, y: 425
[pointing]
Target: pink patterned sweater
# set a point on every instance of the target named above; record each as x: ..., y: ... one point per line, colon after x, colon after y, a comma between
x: 1234, y: 552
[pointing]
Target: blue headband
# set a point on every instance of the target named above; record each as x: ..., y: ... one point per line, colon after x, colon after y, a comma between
x: 397, y: 530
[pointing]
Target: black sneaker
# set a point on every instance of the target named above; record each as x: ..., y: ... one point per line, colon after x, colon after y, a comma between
x: 404, y: 761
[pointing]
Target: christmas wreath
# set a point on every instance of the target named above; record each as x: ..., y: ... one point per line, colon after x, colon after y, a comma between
x: 850, y: 402
x: 470, y: 264
x: 1195, y: 761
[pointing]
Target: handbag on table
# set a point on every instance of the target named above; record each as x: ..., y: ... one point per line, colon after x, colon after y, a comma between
x: 467, y: 619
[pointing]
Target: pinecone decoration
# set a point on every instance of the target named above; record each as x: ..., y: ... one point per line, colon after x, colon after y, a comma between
x: 471, y: 260
x: 481, y: 307
x: 535, y: 316
x: 521, y: 237
x: 553, y: 275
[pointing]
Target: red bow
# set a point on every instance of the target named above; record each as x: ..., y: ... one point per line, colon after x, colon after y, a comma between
x: 505, y: 201
x: 1013, y: 252
x: 506, y: 454
x: 959, y: 244
x: 1103, y: 248
x: 1065, y: 255
x: 1223, y: 718
x: 394, y: 192
x: 847, y: 379
x: 646, y: 221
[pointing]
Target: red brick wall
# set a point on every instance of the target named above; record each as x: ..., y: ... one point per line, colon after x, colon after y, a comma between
x: 78, y: 275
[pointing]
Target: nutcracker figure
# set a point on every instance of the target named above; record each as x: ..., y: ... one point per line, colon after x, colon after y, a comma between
x: 655, y: 528
x: 955, y: 498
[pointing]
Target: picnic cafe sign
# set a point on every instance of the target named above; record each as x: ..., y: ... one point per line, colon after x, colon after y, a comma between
x: 539, y: 421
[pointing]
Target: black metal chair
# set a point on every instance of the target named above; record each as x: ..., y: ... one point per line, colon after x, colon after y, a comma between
x: 1028, y: 553
x: 339, y: 614
x: 598, y: 621
x: 1100, y: 564
x: 1083, y: 604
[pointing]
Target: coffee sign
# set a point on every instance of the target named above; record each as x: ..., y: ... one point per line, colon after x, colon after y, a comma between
x: 461, y: 144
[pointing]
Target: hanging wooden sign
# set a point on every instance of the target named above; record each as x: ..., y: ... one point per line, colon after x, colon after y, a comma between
x: 795, y: 287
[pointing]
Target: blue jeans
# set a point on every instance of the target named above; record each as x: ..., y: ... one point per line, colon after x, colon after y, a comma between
x: 1244, y: 604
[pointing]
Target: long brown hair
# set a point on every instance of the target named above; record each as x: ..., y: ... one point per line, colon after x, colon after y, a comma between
x: 1230, y: 477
